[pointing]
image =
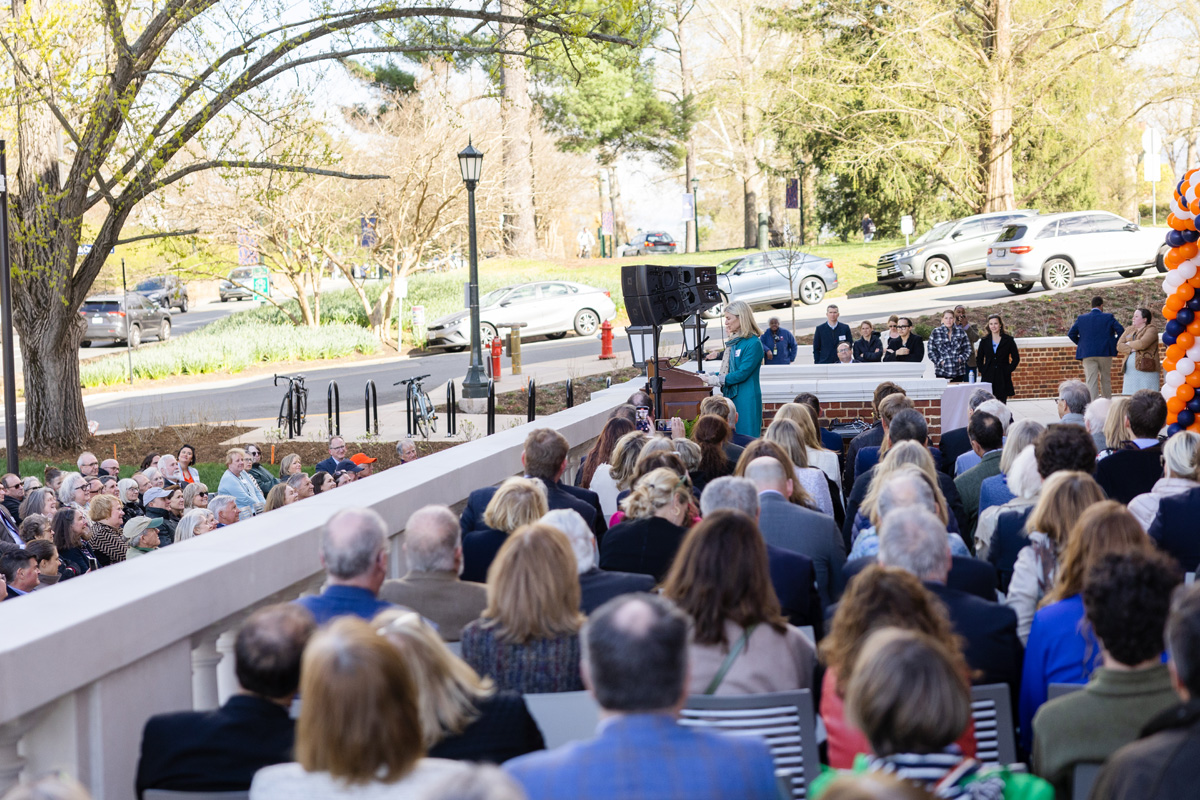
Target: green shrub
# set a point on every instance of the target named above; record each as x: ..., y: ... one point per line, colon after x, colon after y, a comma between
x: 230, y: 345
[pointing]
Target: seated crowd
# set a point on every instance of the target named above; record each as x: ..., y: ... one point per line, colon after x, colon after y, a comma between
x: 886, y: 578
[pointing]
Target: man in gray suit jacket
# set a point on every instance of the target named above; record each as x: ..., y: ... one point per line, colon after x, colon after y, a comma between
x: 433, y: 549
x: 800, y: 530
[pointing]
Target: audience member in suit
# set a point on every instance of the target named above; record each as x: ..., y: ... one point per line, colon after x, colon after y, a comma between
x: 869, y: 438
x: 954, y: 443
x: 635, y: 657
x: 518, y: 501
x: 1095, y: 335
x: 793, y: 575
x: 1001, y: 412
x: 987, y: 437
x: 1174, y: 529
x: 911, y: 539
x: 220, y: 750
x: 657, y: 512
x: 1127, y: 473
x: 1164, y: 764
x: 967, y: 575
x: 544, y: 457
x: 1126, y: 599
x: 798, y: 529
x: 354, y: 554
x: 463, y: 716
x: 829, y: 440
x: 596, y: 586
x: 432, y: 587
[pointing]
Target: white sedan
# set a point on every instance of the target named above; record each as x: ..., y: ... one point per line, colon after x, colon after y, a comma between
x: 548, y: 308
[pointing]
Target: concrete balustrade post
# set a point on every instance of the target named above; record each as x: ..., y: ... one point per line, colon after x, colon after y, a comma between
x: 226, y: 672
x: 11, y: 761
x: 205, y: 658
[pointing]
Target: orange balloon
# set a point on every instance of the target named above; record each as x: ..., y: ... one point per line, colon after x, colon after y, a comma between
x: 1188, y: 250
x: 1172, y: 418
x: 1185, y: 340
x: 1172, y: 259
x: 1193, y: 380
x: 1173, y: 222
x: 1174, y: 303
x: 1195, y: 427
x: 1185, y: 292
x: 1168, y: 314
x: 1185, y: 392
x: 1169, y: 365
x: 1175, y: 352
x: 1175, y: 405
x: 1194, y: 282
x: 1194, y: 328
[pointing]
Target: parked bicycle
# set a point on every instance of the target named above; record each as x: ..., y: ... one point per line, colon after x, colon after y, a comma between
x: 293, y: 410
x: 424, y: 415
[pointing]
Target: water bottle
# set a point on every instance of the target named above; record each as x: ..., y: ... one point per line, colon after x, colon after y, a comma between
x: 971, y: 376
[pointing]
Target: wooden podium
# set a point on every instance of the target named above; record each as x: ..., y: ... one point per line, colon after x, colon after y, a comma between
x: 682, y: 390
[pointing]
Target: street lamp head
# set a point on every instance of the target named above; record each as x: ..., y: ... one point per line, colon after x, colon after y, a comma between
x: 470, y: 163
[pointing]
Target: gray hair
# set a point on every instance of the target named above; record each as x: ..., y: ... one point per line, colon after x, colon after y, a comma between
x: 1076, y: 395
x: 31, y: 483
x: 979, y: 397
x: 583, y: 541
x: 217, y: 504
x: 431, y: 536
x: 1179, y: 454
x: 123, y: 487
x: 35, y: 501
x: 915, y: 540
x: 353, y: 539
x: 1095, y: 414
x: 635, y: 647
x: 689, y: 453
x: 903, y: 490
x: 997, y: 410
x: 70, y: 482
x: 400, y: 445
x: 1023, y: 433
x: 82, y: 456
x: 1024, y: 480
x: 293, y: 481
x: 739, y: 494
x: 186, y: 527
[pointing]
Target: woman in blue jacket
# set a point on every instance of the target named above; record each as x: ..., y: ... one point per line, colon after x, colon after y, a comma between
x: 743, y: 359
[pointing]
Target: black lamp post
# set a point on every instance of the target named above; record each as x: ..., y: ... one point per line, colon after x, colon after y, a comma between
x: 696, y: 210
x: 10, y: 368
x: 470, y: 162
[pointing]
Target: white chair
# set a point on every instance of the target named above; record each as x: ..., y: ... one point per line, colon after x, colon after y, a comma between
x: 564, y: 716
x: 167, y: 794
x: 995, y: 735
x: 785, y: 719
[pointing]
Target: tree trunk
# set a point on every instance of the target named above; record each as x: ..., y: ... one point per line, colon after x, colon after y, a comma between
x: 775, y: 211
x: 999, y: 192
x: 516, y: 113
x: 688, y: 91
x: 620, y: 230
x: 749, y: 213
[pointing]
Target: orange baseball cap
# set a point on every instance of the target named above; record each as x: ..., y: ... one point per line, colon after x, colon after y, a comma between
x: 362, y: 458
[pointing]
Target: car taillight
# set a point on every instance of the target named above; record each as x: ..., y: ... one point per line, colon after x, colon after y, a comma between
x: 608, y: 294
x: 829, y: 264
x: 1022, y: 249
x: 116, y: 313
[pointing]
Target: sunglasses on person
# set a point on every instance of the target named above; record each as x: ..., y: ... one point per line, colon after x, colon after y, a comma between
x: 904, y: 327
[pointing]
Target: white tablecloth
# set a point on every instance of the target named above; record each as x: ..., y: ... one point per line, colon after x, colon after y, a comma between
x: 954, y: 403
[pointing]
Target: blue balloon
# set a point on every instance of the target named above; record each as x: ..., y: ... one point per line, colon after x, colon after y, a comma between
x: 1193, y: 405
x: 1175, y: 239
x: 1174, y: 428
x: 1191, y: 236
x: 1168, y: 339
x: 1194, y: 303
x: 1185, y: 316
x: 1175, y: 327
x: 1185, y: 418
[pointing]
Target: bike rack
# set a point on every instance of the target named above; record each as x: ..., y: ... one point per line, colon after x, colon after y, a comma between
x: 371, y: 403
x: 570, y: 393
x: 531, y: 408
x: 333, y: 412
x: 491, y: 407
x: 451, y: 409
x: 290, y: 420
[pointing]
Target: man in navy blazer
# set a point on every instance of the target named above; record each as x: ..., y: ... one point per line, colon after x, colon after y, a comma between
x: 220, y: 750
x: 635, y: 663
x: 1125, y: 474
x: 544, y: 457
x: 827, y: 337
x: 1095, y: 336
x: 1174, y: 528
x: 914, y: 540
x: 597, y: 586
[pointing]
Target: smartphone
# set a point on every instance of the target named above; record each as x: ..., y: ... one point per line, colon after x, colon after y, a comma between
x: 643, y: 419
x: 663, y: 426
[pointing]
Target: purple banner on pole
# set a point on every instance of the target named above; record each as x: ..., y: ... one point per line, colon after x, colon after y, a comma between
x: 793, y: 193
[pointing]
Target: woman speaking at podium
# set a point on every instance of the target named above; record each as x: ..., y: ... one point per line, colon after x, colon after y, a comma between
x: 740, y: 364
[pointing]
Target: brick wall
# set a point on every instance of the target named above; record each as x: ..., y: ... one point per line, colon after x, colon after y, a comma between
x: 1044, y: 366
x: 931, y: 409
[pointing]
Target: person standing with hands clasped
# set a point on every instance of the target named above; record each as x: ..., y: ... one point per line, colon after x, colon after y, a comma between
x: 827, y: 338
x: 778, y: 343
x: 743, y: 358
x: 949, y: 350
x: 906, y: 345
x: 1139, y: 345
x: 1095, y: 335
x: 998, y: 358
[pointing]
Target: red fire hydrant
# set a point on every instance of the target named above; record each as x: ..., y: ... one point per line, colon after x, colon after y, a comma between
x: 606, y: 337
x: 496, y: 358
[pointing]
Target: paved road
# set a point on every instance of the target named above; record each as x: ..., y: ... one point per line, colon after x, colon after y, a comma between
x: 256, y: 402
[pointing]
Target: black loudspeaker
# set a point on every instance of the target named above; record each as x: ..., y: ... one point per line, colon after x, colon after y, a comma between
x: 656, y: 295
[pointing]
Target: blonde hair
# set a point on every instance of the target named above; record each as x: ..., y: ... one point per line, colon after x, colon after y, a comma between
x: 230, y: 453
x: 532, y: 586
x: 1180, y: 455
x: 448, y: 690
x: 1022, y: 434
x: 186, y: 527
x: 359, y: 721
x: 904, y: 454
x: 655, y: 490
x: 285, y: 464
x: 805, y: 418
x: 1103, y: 528
x: 277, y: 497
x: 786, y: 434
x: 741, y: 310
x: 1066, y: 494
x: 101, y: 507
x: 1116, y: 433
x: 518, y: 501
x: 624, y: 457
x: 689, y: 452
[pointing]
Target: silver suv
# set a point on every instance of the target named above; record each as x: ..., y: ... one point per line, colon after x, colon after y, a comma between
x: 774, y: 278
x: 948, y: 249
x: 1055, y: 248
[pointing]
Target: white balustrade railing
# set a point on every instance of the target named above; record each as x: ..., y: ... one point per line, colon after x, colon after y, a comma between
x: 84, y: 664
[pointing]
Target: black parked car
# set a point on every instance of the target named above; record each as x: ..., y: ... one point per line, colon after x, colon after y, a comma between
x: 166, y: 290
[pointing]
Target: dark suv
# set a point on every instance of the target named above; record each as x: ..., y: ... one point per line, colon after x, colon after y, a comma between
x: 110, y: 318
x: 166, y: 290
x: 945, y: 251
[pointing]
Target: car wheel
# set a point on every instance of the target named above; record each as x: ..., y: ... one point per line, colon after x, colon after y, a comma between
x: 456, y: 349
x: 812, y: 289
x: 224, y: 299
x: 938, y: 272
x: 717, y: 310
x: 1159, y: 263
x: 782, y: 305
x: 86, y: 343
x: 1131, y: 273
x: 135, y: 336
x: 558, y: 335
x: 1057, y: 273
x: 183, y: 306
x: 164, y: 331
x: 1018, y: 288
x: 487, y: 332
x: 587, y: 322
x: 901, y: 287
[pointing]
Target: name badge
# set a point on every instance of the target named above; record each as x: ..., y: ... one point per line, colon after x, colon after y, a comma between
x: 737, y: 352
x: 842, y: 338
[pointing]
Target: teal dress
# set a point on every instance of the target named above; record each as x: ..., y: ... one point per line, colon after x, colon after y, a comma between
x: 740, y: 383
